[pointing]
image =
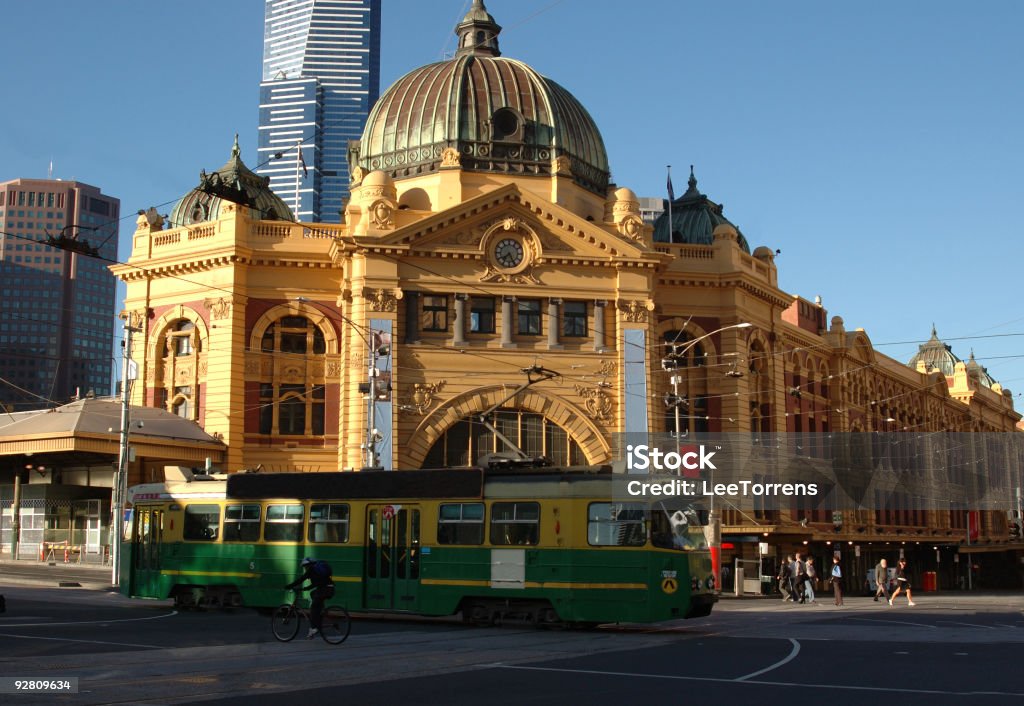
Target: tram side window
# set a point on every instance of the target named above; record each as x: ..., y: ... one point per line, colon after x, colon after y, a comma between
x: 616, y: 525
x: 242, y: 523
x: 328, y: 522
x: 284, y: 523
x: 202, y: 522
x: 515, y: 523
x: 460, y: 523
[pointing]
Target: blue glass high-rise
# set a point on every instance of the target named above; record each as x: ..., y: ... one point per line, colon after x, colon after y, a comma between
x: 321, y: 76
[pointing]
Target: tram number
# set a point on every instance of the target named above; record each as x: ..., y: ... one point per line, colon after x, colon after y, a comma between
x: 669, y: 585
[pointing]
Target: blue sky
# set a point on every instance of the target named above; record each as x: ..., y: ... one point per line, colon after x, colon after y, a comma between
x: 878, y: 145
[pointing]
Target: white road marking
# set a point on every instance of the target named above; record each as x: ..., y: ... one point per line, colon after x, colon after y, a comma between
x: 970, y: 625
x: 805, y: 685
x: 789, y: 658
x: 68, y: 639
x: 896, y: 622
x: 90, y: 622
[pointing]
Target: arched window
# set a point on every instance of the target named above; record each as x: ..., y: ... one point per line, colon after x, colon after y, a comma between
x: 292, y: 397
x: 467, y: 441
x: 177, y: 375
x: 182, y: 342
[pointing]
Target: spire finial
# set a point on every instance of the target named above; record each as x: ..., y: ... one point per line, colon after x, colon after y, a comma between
x: 691, y: 191
x: 236, y: 151
x: 935, y: 334
x: 478, y: 32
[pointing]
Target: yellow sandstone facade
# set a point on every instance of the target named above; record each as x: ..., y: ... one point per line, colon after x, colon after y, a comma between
x: 483, y: 238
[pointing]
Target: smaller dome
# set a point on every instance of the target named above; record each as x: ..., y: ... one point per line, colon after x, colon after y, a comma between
x: 234, y: 183
x: 936, y: 355
x: 694, y: 219
x: 625, y: 194
x: 377, y: 178
x: 764, y: 253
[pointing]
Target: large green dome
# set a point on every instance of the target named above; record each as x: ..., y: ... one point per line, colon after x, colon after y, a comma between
x: 498, y: 113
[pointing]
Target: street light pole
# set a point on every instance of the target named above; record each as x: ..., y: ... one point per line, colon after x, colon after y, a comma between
x: 120, y: 486
x: 713, y: 519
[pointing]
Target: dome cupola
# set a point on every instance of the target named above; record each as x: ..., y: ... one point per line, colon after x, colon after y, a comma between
x: 235, y: 183
x: 481, y: 112
x: 694, y: 219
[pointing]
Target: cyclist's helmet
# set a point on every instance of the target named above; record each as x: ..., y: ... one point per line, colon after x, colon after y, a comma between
x: 306, y: 562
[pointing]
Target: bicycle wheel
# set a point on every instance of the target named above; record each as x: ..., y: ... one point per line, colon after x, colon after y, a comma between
x: 336, y: 625
x: 286, y: 622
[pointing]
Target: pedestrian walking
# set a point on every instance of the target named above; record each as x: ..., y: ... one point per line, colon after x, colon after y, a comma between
x: 902, y: 582
x: 812, y: 579
x: 837, y: 581
x: 881, y: 580
x: 785, y: 578
x: 799, y: 571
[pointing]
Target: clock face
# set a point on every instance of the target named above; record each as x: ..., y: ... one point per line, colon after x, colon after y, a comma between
x: 508, y: 252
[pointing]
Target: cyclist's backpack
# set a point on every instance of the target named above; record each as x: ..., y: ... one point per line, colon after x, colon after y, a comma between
x: 322, y: 569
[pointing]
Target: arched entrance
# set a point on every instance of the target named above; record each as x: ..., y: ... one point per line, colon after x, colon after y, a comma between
x: 540, y: 424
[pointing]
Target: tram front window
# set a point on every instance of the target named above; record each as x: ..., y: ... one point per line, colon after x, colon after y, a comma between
x: 677, y: 524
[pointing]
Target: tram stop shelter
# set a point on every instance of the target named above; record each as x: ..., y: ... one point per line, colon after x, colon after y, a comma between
x: 65, y: 460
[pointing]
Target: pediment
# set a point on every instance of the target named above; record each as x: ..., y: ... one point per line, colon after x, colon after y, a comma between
x: 469, y: 228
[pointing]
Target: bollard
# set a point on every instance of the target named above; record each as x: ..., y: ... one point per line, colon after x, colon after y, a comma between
x: 738, y: 584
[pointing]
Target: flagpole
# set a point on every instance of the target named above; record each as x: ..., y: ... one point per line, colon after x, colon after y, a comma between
x: 298, y: 162
x: 670, y: 195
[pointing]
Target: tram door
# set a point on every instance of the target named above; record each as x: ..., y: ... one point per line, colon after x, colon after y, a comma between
x: 392, y: 571
x: 147, y: 536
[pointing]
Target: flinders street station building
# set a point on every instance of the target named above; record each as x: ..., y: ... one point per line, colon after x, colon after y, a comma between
x: 484, y: 247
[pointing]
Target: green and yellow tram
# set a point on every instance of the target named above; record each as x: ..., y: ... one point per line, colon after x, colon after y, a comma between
x: 549, y: 545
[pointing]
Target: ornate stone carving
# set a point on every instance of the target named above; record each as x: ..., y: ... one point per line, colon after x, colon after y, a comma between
x: 382, y: 214
x: 219, y: 308
x: 598, y: 402
x: 450, y: 157
x: 252, y: 366
x: 632, y: 227
x: 381, y: 299
x: 139, y: 317
x: 333, y: 369
x: 607, y: 368
x: 183, y: 374
x: 561, y: 165
x: 635, y: 312
x: 202, y: 368
x: 292, y: 374
x: 492, y: 275
x: 511, y: 223
x: 424, y: 395
x: 356, y: 176
x: 463, y: 237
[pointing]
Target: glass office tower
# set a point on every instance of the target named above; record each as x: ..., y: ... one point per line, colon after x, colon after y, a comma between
x: 321, y: 76
x: 57, y: 307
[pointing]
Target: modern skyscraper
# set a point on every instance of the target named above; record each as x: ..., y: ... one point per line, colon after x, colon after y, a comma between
x: 57, y: 306
x: 321, y: 76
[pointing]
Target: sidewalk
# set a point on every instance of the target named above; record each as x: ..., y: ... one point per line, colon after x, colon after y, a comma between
x: 51, y: 574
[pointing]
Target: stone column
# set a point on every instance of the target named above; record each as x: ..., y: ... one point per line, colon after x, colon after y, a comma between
x: 459, y: 339
x: 506, y: 322
x: 553, y: 323
x: 599, y: 343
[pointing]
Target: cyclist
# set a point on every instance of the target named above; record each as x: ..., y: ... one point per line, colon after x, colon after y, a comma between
x: 318, y: 573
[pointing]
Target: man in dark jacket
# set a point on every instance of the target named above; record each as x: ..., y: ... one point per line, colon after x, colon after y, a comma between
x: 881, y: 580
x: 321, y: 587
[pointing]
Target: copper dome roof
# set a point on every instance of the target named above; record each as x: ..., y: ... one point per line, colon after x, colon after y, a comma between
x: 233, y: 182
x: 498, y: 113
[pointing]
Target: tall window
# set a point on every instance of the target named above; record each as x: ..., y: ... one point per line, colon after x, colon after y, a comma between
x: 481, y: 315
x: 292, y: 406
x: 574, y: 319
x: 435, y: 313
x: 529, y: 317
x: 181, y: 338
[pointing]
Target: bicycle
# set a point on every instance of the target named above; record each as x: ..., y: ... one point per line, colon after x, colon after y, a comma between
x: 288, y: 617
